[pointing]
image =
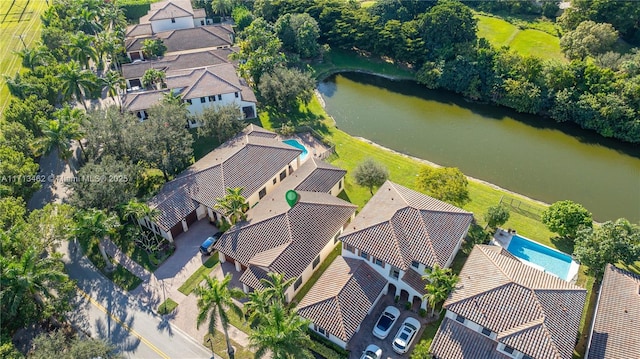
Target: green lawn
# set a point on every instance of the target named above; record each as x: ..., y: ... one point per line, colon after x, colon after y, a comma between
x: 19, y: 18
x: 220, y: 346
x: 531, y: 41
x: 119, y: 275
x: 314, y: 278
x: 340, y: 60
x: 168, y: 306
x: 198, y: 276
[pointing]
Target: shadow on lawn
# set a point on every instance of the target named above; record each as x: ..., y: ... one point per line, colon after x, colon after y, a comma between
x: 563, y: 244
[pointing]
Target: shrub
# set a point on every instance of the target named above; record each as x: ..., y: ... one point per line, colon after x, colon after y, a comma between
x: 135, y: 9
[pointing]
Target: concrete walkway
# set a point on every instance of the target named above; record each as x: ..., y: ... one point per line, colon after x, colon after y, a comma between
x: 132, y: 266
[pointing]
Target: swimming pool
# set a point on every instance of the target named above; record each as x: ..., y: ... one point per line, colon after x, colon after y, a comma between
x: 551, y: 260
x: 299, y: 146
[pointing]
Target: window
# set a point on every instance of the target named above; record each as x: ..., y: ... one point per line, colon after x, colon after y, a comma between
x: 220, y: 97
x: 212, y: 98
x: 275, y: 180
x: 340, y: 184
x: 290, y: 169
x: 201, y: 22
x: 486, y: 331
x: 394, y: 273
x: 335, y: 239
x: 283, y: 175
x: 379, y: 262
x: 415, y: 264
x: 459, y: 319
x: 349, y: 248
x: 203, y: 100
x: 173, y: 20
x: 296, y: 285
x: 508, y: 349
x: 188, y: 101
x: 316, y: 262
x: 262, y: 193
x: 364, y: 255
x: 237, y: 95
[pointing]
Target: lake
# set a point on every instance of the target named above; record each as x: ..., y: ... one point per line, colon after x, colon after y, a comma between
x: 533, y: 156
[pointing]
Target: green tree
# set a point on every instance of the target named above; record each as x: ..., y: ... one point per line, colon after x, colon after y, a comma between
x: 30, y: 112
x: 17, y: 137
x: 73, y: 119
x: 447, y: 25
x: 135, y: 211
x: 221, y: 7
x: 497, y: 216
x: 612, y: 242
x: 215, y: 300
x: 476, y: 235
x: 370, y: 173
x: 242, y: 17
x: 76, y: 83
x: 283, y: 88
x: 33, y: 57
x: 588, y: 39
x: 52, y: 224
x: 153, y: 78
x: 441, y: 281
x: 56, y: 345
x: 259, y: 50
x: 12, y: 212
x: 96, y: 225
x: 113, y: 82
x: 17, y: 174
x: 447, y: 184
x: 566, y: 217
x: 282, y: 333
x: 82, y: 48
x: 153, y: 48
x: 233, y: 205
x: 421, y: 350
x: 299, y: 33
x: 275, y: 287
x: 57, y: 136
x: 111, y: 132
x: 223, y: 122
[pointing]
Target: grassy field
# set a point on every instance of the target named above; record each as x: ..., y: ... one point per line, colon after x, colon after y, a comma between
x: 198, y: 276
x: 19, y: 21
x: 531, y: 41
x: 167, y: 306
x: 219, y: 346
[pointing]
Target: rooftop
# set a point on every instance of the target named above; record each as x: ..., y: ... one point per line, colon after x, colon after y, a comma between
x: 184, y: 40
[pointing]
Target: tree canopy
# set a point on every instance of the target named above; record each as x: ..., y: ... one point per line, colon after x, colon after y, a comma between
x: 588, y: 39
x: 283, y: 88
x: 222, y: 122
x: 370, y: 173
x: 497, y: 216
x: 566, y: 217
x: 299, y: 33
x: 447, y: 184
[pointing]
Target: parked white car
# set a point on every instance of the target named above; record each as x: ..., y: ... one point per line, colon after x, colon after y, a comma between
x: 372, y: 352
x: 386, y: 321
x: 405, y: 336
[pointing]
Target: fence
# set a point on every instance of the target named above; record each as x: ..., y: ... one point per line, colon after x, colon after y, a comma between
x: 523, y: 208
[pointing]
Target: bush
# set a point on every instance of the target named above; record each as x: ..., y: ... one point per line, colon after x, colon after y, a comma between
x: 326, y: 348
x: 423, y: 312
x: 135, y: 9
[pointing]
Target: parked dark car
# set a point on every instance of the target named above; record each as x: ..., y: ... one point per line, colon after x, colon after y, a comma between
x: 206, y: 247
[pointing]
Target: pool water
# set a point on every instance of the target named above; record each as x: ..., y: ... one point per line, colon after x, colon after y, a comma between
x: 299, y: 146
x: 552, y: 261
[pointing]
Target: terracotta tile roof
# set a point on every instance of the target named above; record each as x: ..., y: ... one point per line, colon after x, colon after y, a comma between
x: 172, y: 63
x: 168, y: 9
x: 342, y: 297
x: 415, y: 281
x: 252, y: 276
x: 399, y: 225
x: 617, y: 320
x: 544, y: 311
x: 244, y: 161
x: 201, y: 37
x: 455, y: 341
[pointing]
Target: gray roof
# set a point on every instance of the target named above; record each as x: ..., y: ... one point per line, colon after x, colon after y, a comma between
x: 201, y: 37
x: 167, y: 10
x: 325, y: 176
x: 138, y: 101
x: 617, y: 315
x: 543, y: 311
x: 139, y: 30
x: 245, y: 161
x: 342, y: 297
x: 399, y: 225
x: 454, y: 340
x: 171, y: 63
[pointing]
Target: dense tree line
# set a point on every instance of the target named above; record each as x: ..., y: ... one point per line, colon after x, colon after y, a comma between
x: 439, y: 40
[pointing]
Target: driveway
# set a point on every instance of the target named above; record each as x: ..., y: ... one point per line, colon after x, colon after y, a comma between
x: 364, y: 337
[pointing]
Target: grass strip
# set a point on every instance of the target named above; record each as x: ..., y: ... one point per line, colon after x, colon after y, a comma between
x: 198, y: 276
x: 168, y: 306
x: 218, y: 345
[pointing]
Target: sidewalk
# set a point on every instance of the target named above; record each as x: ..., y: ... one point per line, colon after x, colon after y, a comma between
x: 132, y: 266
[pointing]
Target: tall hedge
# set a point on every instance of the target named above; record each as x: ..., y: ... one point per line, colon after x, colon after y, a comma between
x: 135, y: 9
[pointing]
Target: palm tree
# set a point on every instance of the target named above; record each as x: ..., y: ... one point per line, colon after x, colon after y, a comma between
x: 30, y: 279
x: 275, y: 287
x: 114, y: 82
x: 233, y: 206
x: 281, y: 333
x: 135, y: 211
x: 174, y: 98
x: 440, y: 282
x: 214, y: 301
x: 221, y: 7
x: 153, y: 77
x: 256, y: 307
x: 97, y: 224
x: 57, y: 136
x: 82, y: 48
x: 33, y: 56
x: 87, y: 20
x: 73, y: 120
x: 76, y: 83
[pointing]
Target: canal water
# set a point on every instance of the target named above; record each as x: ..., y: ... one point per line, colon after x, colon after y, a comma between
x: 536, y: 157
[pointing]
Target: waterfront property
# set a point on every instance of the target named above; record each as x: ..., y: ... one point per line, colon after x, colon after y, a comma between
x: 538, y: 255
x: 502, y: 309
x: 400, y: 233
x: 255, y: 160
x: 295, y: 143
x: 614, y: 333
x: 291, y: 238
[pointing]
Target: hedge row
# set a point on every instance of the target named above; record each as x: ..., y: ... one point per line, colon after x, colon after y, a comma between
x: 135, y: 9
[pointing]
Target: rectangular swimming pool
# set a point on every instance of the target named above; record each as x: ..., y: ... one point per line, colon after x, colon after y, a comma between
x: 553, y: 261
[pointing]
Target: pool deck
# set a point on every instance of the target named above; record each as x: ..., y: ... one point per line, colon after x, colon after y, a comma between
x: 315, y: 147
x: 502, y: 238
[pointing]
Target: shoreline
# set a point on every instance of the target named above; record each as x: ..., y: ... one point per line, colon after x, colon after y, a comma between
x: 421, y: 160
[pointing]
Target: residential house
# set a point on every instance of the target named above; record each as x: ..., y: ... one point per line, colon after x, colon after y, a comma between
x: 169, y: 15
x: 503, y: 308
x: 215, y: 85
x: 401, y: 232
x: 615, y: 330
x: 292, y: 240
x: 254, y: 159
x: 341, y: 299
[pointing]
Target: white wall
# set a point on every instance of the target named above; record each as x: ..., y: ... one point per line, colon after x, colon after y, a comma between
x: 197, y: 106
x: 199, y: 21
x: 330, y: 337
x: 255, y: 198
x: 338, y: 187
x: 166, y: 24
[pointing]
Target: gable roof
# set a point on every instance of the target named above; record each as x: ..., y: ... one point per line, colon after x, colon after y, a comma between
x: 172, y: 63
x: 246, y: 161
x: 544, y: 311
x: 208, y: 81
x: 168, y: 9
x: 399, y: 225
x: 138, y: 101
x: 618, y: 311
x: 184, y: 40
x: 342, y: 297
x: 283, y: 239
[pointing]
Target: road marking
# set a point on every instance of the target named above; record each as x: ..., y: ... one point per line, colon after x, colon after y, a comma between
x: 124, y: 325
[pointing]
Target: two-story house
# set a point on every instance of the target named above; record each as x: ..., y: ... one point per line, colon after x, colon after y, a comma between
x: 278, y: 237
x: 168, y: 15
x: 615, y: 330
x: 503, y: 308
x: 255, y: 160
x: 401, y: 232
